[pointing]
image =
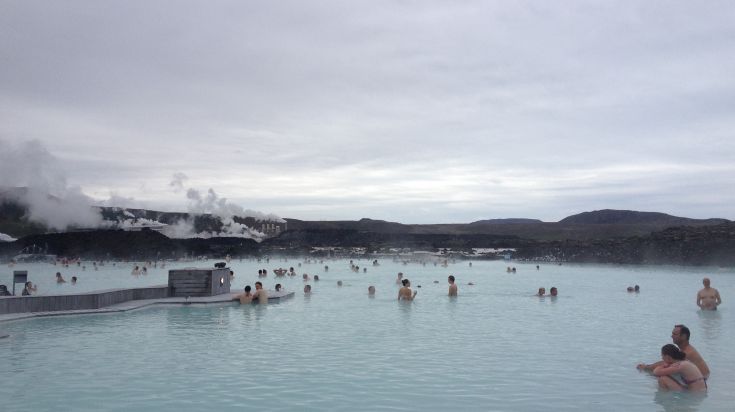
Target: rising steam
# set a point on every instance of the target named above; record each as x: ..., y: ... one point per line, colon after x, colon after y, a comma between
x: 32, y: 177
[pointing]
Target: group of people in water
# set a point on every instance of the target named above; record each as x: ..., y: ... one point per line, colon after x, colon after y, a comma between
x: 681, y: 367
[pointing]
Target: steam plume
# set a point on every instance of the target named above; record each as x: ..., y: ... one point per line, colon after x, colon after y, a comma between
x: 31, y: 176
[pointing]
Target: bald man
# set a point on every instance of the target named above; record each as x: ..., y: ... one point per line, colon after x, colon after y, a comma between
x: 708, y: 298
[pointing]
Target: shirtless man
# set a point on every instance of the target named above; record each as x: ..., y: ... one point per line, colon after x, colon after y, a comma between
x: 708, y: 298
x: 399, y: 279
x: 680, y: 337
x: 452, y: 286
x: 246, y: 297
x: 405, y: 292
x: 260, y: 294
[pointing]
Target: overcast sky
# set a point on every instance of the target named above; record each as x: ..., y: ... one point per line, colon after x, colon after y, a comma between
x: 408, y: 111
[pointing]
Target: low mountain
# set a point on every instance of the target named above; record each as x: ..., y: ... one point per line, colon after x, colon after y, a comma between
x: 631, y: 217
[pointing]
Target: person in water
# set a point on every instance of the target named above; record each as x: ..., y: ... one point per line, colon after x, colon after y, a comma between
x: 405, y: 292
x: 708, y: 298
x: 246, y: 296
x: 541, y: 292
x: 452, y: 286
x: 553, y: 292
x: 4, y: 291
x: 260, y: 294
x: 307, y: 289
x: 371, y: 290
x: 29, y: 289
x: 73, y: 280
x: 59, y: 278
x: 674, y: 362
x: 399, y: 279
x: 680, y: 336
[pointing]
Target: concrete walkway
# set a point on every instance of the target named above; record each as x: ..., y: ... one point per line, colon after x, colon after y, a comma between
x: 138, y: 304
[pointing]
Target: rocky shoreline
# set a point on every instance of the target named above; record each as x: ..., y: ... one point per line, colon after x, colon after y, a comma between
x: 682, y: 245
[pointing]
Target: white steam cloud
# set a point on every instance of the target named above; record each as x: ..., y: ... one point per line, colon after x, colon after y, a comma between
x: 218, y: 207
x: 31, y: 176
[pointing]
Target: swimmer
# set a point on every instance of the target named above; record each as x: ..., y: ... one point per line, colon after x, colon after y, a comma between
x: 680, y: 336
x: 29, y: 289
x: 260, y: 294
x: 674, y: 362
x: 135, y: 271
x: 405, y: 292
x: 399, y: 279
x: 232, y: 275
x: 637, y: 289
x: 278, y: 287
x: 371, y: 290
x: 73, y: 280
x: 307, y: 289
x: 316, y: 278
x: 708, y: 298
x: 59, y: 278
x: 339, y: 283
x: 541, y: 292
x: 553, y: 292
x: 452, y: 286
x: 245, y: 297
x: 630, y: 289
x: 305, y: 277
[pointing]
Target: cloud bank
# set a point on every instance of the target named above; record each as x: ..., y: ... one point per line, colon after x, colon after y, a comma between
x: 418, y: 112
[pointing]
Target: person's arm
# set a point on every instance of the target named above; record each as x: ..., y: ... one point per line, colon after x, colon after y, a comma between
x: 717, y: 297
x: 665, y: 369
x: 699, y: 299
x: 650, y: 367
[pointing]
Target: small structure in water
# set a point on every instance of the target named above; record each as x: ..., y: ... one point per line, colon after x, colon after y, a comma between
x: 198, y: 282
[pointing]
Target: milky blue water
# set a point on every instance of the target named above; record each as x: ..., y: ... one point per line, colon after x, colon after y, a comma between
x: 495, y: 347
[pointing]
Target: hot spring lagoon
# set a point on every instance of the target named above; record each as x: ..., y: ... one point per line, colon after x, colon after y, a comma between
x: 495, y: 347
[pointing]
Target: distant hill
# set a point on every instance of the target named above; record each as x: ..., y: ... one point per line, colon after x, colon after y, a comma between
x: 631, y: 217
x: 509, y: 221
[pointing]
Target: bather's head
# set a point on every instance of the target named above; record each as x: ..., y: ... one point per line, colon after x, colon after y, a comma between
x: 278, y: 287
x: 451, y: 279
x: 258, y: 285
x: 680, y: 334
x: 248, y: 289
x: 554, y: 291
x: 672, y: 352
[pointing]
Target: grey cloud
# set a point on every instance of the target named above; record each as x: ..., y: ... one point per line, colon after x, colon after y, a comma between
x: 268, y: 100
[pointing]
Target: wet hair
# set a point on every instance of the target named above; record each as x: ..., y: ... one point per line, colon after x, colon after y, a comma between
x: 684, y: 331
x: 248, y: 288
x: 671, y: 350
x: 637, y: 288
x: 404, y: 282
x: 259, y: 283
x: 451, y: 278
x: 73, y: 278
x: 316, y: 277
x: 278, y: 287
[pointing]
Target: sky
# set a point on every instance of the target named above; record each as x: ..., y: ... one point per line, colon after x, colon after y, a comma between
x: 407, y: 111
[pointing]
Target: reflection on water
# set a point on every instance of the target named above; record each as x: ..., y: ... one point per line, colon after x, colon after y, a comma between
x: 710, y: 320
x: 679, y: 401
